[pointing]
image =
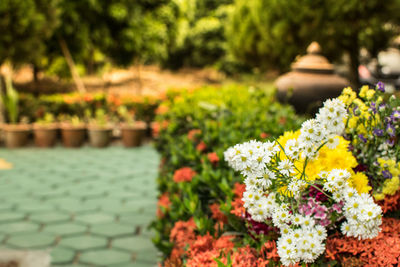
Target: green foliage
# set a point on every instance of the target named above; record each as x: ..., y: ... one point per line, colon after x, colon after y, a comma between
x: 220, y: 118
x: 48, y: 118
x: 269, y: 33
x: 199, y: 38
x: 25, y: 26
x: 10, y: 99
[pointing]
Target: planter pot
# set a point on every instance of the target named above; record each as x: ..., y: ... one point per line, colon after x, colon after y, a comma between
x: 132, y: 134
x: 16, y: 135
x: 45, y: 134
x: 99, y: 136
x: 73, y: 135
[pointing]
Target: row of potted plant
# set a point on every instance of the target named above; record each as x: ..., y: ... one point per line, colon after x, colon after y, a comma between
x: 75, y: 104
x: 100, y: 123
x: 74, y: 130
x: 312, y: 197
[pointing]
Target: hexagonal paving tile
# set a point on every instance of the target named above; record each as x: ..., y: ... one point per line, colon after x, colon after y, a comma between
x: 49, y: 217
x: 135, y: 243
x: 148, y: 256
x: 105, y: 257
x: 136, y: 219
x: 61, y: 255
x: 112, y: 229
x: 10, y: 216
x: 83, y: 242
x: 2, y: 237
x: 94, y: 218
x: 31, y: 240
x: 17, y: 227
x: 65, y: 229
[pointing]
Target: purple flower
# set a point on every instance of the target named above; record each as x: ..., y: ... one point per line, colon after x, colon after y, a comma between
x: 390, y: 141
x: 373, y: 107
x: 386, y: 174
x: 378, y: 132
x: 362, y: 138
x: 380, y: 86
x: 391, y: 130
x: 395, y: 115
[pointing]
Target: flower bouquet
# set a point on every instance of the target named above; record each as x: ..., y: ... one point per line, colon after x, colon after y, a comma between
x: 303, y: 184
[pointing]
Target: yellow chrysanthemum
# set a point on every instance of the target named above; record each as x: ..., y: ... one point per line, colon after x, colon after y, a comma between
x: 359, y: 181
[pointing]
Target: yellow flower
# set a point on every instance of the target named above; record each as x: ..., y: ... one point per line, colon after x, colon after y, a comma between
x: 370, y: 94
x: 379, y: 196
x: 363, y: 91
x: 359, y: 181
x: 353, y: 122
x: 390, y: 186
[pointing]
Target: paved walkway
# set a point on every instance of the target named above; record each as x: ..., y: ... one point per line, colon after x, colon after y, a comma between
x: 88, y: 207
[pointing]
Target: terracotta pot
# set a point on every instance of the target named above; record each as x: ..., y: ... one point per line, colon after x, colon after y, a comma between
x: 99, y: 136
x: 73, y: 135
x: 16, y: 135
x: 132, y: 134
x: 45, y: 134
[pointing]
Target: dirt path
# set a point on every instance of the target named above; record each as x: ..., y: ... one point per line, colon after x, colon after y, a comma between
x: 148, y: 80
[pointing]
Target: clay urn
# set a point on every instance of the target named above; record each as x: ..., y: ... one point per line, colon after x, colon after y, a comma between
x: 310, y: 82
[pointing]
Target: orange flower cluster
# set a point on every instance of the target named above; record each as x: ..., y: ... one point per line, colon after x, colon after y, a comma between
x: 201, y: 146
x: 217, y: 214
x: 182, y: 234
x: 213, y: 158
x: 383, y: 250
x: 237, y: 203
x: 206, y: 249
x: 390, y: 203
x: 184, y: 174
x: 192, y: 134
x: 158, y: 126
x: 77, y: 98
x: 163, y: 203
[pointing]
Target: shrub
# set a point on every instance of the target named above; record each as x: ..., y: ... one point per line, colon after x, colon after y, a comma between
x: 195, y: 184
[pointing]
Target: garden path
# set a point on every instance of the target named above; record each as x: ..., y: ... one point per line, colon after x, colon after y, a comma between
x: 88, y: 207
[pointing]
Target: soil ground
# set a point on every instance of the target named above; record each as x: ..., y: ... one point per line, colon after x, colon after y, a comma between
x: 147, y: 80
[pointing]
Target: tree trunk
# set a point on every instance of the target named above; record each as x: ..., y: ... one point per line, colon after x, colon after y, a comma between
x: 35, y: 71
x: 139, y: 76
x: 74, y: 72
x: 354, y: 53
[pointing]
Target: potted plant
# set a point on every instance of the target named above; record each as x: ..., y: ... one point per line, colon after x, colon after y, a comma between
x: 73, y: 131
x: 45, y: 131
x: 99, y: 129
x: 132, y: 132
x: 15, y: 134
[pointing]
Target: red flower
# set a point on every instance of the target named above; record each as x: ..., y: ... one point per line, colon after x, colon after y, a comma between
x: 213, y: 158
x: 163, y: 202
x: 264, y: 135
x: 201, y: 146
x: 184, y: 174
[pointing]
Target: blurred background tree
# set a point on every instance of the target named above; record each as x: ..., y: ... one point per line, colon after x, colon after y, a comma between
x: 26, y: 26
x: 230, y: 35
x: 270, y: 33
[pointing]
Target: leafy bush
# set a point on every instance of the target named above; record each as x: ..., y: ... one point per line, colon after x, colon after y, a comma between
x: 196, y: 128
